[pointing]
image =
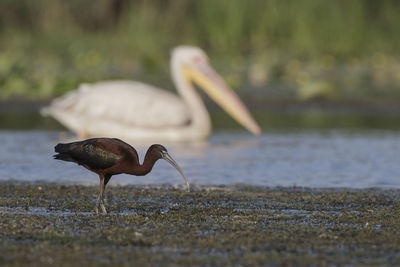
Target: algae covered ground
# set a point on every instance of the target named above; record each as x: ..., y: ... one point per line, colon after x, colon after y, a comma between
x: 46, y: 224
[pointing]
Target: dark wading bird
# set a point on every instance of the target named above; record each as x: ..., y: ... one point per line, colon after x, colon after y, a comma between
x: 110, y: 156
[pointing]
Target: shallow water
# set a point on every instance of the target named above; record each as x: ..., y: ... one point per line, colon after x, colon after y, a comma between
x: 330, y: 158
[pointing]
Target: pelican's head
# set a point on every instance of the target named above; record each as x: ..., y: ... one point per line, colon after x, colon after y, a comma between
x: 193, y: 63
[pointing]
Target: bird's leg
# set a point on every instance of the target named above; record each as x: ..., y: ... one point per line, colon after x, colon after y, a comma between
x: 107, y: 178
x: 102, y: 187
x: 96, y: 208
x: 100, y: 199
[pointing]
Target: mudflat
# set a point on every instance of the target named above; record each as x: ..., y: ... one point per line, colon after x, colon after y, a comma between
x: 43, y: 224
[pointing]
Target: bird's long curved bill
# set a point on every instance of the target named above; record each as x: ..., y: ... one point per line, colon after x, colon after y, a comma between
x: 168, y: 158
x: 209, y: 80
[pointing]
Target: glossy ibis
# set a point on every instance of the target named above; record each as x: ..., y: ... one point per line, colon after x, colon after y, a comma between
x: 111, y: 156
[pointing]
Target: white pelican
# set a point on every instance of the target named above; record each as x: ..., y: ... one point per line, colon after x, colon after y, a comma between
x: 139, y: 112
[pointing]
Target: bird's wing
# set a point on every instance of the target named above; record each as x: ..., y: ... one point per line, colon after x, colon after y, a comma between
x: 94, y: 154
x: 126, y: 102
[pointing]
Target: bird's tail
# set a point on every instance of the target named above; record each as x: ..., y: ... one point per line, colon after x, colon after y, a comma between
x: 65, y: 157
x: 62, y: 148
x: 63, y: 152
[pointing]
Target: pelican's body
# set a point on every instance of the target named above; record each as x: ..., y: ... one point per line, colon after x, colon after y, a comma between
x: 135, y: 111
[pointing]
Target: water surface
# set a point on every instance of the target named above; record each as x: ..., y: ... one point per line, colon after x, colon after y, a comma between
x: 311, y: 158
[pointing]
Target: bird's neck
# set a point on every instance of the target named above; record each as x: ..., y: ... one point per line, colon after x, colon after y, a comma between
x: 148, y: 163
x: 200, y: 118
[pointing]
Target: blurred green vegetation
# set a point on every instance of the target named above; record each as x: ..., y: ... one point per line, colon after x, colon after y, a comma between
x: 281, y: 48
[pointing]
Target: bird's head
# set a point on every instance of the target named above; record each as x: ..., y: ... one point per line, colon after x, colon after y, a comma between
x: 193, y: 63
x: 160, y: 152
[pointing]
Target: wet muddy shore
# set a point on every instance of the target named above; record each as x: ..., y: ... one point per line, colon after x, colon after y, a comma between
x: 47, y: 224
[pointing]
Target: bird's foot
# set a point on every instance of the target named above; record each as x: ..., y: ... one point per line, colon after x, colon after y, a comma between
x: 100, y: 203
x: 96, y: 208
x: 103, y: 208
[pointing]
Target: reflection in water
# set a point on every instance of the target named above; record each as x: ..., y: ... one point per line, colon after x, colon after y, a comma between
x: 307, y: 158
